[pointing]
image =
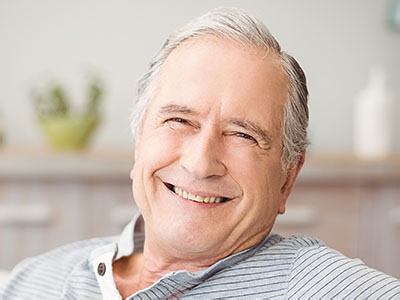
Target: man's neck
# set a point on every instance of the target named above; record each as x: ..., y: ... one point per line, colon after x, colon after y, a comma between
x: 140, y: 270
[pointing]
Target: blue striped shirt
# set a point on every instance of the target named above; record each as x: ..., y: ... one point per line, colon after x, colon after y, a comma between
x: 284, y: 268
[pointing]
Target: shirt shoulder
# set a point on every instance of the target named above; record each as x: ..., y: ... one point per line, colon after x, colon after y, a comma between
x: 262, y: 271
x: 45, y: 276
x: 296, y: 242
x: 321, y: 272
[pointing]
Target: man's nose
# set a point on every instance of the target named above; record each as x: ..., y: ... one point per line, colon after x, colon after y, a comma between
x: 202, y: 155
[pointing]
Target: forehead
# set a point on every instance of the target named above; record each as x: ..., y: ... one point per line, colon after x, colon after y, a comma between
x: 206, y: 54
x: 221, y: 71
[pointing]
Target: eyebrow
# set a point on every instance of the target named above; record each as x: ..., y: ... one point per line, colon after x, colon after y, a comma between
x: 253, y: 127
x: 174, y: 108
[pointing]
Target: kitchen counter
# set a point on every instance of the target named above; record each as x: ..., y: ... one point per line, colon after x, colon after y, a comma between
x: 27, y: 163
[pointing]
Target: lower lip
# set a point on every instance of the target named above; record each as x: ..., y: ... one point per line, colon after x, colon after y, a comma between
x: 197, y: 204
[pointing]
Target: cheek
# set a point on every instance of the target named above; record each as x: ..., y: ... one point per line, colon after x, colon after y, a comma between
x: 157, y: 151
x: 259, y: 176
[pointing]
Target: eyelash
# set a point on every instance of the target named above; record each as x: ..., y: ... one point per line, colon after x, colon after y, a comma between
x: 180, y: 120
x: 245, y: 136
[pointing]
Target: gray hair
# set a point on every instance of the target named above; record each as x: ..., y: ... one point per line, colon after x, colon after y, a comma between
x: 237, y: 25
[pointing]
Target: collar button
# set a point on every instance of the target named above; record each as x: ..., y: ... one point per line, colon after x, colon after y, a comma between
x: 101, y: 269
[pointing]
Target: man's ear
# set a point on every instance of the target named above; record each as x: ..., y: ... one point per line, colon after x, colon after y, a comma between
x: 132, y: 173
x: 137, y: 145
x: 289, y: 180
x: 136, y: 154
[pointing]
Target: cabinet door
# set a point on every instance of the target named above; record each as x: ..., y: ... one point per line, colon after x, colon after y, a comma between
x: 380, y: 228
x: 38, y: 216
x: 330, y: 213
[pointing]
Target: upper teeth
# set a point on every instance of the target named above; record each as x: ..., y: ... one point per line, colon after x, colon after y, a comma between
x: 197, y: 198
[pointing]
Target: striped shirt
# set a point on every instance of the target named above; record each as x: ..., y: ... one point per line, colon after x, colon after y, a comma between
x: 283, y: 268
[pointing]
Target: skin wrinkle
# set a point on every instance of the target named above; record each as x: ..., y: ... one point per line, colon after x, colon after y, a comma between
x: 263, y: 137
x: 266, y: 139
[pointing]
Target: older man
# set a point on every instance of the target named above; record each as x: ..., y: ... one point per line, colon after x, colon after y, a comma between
x: 220, y: 128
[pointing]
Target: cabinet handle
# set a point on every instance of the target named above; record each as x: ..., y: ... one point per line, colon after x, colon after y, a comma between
x: 394, y: 216
x: 24, y: 214
x: 298, y: 215
x: 121, y: 214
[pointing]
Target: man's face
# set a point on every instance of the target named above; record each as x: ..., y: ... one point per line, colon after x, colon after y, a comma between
x: 212, y: 134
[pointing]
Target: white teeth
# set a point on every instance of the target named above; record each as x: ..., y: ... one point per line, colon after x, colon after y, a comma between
x: 197, y: 198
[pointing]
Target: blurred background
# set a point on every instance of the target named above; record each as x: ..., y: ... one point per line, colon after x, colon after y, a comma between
x: 72, y: 66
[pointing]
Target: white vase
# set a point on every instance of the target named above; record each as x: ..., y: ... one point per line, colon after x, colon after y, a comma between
x: 373, y: 118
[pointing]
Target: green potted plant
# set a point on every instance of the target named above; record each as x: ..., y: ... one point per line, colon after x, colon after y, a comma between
x: 67, y: 130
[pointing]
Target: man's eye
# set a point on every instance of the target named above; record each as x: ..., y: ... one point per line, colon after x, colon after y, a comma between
x: 178, y: 120
x: 177, y: 123
x: 245, y: 136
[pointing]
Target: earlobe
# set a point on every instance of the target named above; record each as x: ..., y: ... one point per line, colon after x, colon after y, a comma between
x: 132, y: 173
x: 282, y: 207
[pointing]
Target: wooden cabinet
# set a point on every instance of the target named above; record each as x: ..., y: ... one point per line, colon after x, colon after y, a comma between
x: 49, y: 199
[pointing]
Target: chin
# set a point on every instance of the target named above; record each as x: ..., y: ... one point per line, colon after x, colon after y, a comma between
x: 192, y: 238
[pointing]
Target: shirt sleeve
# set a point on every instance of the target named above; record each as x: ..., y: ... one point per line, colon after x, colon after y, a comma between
x: 28, y: 282
x: 45, y: 276
x: 321, y: 272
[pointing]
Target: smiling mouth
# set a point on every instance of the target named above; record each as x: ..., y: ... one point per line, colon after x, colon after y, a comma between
x: 202, y: 199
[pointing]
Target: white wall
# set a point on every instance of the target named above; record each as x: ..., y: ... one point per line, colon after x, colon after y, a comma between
x: 335, y: 41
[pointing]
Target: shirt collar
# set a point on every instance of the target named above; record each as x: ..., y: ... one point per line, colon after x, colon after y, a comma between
x: 101, y: 259
x: 132, y: 240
